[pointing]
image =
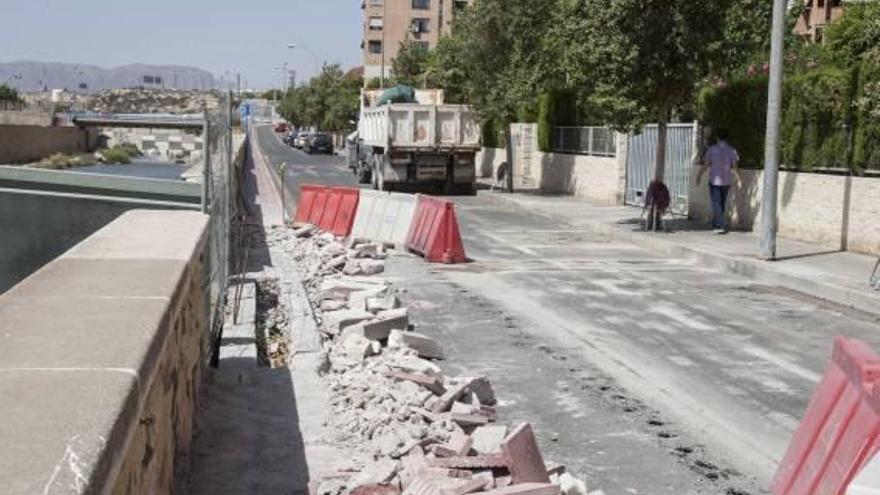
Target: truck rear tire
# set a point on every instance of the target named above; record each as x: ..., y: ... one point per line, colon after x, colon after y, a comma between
x: 364, y: 174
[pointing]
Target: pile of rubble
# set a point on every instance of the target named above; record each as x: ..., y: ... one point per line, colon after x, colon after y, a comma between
x: 272, y: 322
x: 411, y: 428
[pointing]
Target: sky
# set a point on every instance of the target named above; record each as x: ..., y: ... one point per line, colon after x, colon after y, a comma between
x: 246, y: 36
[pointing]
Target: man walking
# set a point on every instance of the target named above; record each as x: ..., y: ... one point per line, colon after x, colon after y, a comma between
x: 721, y: 160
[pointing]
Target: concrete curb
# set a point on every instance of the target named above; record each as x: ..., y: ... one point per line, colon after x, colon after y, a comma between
x: 763, y: 271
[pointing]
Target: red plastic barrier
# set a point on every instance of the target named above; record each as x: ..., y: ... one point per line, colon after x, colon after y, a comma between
x: 839, y: 432
x: 434, y: 231
x: 308, y: 195
x: 339, y: 210
x: 331, y: 209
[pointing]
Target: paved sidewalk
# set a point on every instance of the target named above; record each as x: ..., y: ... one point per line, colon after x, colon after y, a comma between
x: 822, y: 272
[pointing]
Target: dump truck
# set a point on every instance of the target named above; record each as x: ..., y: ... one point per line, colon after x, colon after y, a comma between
x: 409, y: 140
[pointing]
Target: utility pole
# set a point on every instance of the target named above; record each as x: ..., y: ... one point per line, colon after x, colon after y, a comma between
x: 769, y: 220
x: 384, y: 26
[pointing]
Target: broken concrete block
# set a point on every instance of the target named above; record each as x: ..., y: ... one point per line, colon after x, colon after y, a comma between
x: 461, y: 408
x: 414, y: 364
x: 336, y: 263
x: 524, y: 457
x: 487, y: 439
x: 359, y: 299
x: 332, y: 250
x: 337, y: 321
x: 425, y: 346
x: 383, y: 324
x: 525, y: 489
x: 307, y: 230
x: 482, y: 388
x: 375, y: 489
x: 471, y: 486
x: 569, y: 485
x: 377, y: 473
x: 455, y: 388
x: 357, y: 347
x: 377, y: 304
x: 332, y: 305
x: 469, y: 462
x: 431, y: 383
x: 363, y: 267
x: 334, y: 288
x: 469, y: 420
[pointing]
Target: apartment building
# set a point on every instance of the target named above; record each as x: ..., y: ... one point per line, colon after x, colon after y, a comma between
x: 817, y: 16
x: 387, y: 23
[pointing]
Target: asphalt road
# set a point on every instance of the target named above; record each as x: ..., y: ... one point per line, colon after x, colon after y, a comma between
x: 645, y: 373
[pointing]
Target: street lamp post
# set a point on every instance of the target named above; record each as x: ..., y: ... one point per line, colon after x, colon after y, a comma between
x: 769, y: 220
x: 295, y: 45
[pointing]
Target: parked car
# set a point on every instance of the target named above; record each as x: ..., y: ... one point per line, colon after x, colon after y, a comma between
x: 320, y: 142
x: 289, y: 137
x: 301, y: 139
x: 280, y: 128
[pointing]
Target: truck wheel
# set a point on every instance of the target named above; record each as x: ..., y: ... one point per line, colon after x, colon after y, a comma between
x: 364, y: 175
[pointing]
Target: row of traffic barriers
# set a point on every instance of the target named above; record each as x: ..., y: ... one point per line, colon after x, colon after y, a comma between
x: 840, y: 431
x: 421, y: 224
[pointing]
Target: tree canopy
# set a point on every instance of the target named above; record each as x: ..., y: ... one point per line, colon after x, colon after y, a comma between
x: 8, y: 93
x: 330, y: 101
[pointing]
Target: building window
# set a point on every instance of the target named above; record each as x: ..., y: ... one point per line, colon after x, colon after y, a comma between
x: 376, y: 23
x: 375, y: 46
x: 421, y: 26
x: 421, y: 4
x: 376, y: 2
x: 424, y: 45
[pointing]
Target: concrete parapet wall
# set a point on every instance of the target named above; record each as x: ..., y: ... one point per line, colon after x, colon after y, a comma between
x: 101, y: 356
x: 39, y: 226
x: 836, y: 212
x: 28, y: 143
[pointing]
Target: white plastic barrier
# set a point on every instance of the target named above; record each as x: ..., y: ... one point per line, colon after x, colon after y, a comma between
x: 868, y: 480
x: 384, y: 217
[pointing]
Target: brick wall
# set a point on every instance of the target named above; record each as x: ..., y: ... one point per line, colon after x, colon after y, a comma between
x: 834, y: 211
x: 27, y: 143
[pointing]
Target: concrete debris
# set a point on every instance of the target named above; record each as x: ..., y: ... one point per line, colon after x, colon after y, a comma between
x: 386, y: 303
x: 425, y: 346
x: 487, y: 439
x: 410, y: 428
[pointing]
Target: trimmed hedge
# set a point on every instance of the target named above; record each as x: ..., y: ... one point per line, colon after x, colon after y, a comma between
x: 866, y: 149
x: 816, y: 119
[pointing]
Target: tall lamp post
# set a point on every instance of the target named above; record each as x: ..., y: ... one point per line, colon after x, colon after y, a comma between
x: 296, y: 45
x: 769, y: 220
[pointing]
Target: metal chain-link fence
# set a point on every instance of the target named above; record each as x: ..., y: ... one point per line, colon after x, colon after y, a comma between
x: 217, y: 201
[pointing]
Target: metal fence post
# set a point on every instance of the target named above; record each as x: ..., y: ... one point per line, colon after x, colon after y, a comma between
x: 206, y: 160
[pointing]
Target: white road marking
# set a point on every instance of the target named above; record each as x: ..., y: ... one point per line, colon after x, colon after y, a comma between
x: 782, y: 363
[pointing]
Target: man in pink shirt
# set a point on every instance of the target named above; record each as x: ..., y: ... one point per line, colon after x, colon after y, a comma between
x: 721, y: 160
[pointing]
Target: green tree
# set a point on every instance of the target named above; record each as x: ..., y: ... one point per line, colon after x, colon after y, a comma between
x: 855, y: 34
x: 330, y: 101
x: 411, y: 64
x: 8, y: 93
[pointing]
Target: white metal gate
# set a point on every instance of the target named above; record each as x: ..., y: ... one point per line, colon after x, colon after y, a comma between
x: 681, y: 149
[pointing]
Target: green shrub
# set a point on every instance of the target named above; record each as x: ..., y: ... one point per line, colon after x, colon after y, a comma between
x: 741, y: 108
x: 866, y: 152
x: 555, y: 108
x: 815, y: 116
x: 490, y: 134
x: 116, y: 155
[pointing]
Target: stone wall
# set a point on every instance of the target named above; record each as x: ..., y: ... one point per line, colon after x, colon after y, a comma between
x: 103, y: 350
x: 601, y: 179
x: 28, y: 143
x: 834, y: 211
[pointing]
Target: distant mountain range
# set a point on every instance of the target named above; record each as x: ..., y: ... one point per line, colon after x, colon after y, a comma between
x: 36, y: 76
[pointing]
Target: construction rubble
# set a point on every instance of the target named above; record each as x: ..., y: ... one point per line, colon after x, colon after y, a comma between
x: 411, y: 428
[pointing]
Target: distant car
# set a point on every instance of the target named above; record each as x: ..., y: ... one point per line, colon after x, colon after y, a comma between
x: 321, y: 143
x: 280, y: 128
x: 301, y: 140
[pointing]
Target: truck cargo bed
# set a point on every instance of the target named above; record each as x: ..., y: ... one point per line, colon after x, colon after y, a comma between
x: 415, y: 126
